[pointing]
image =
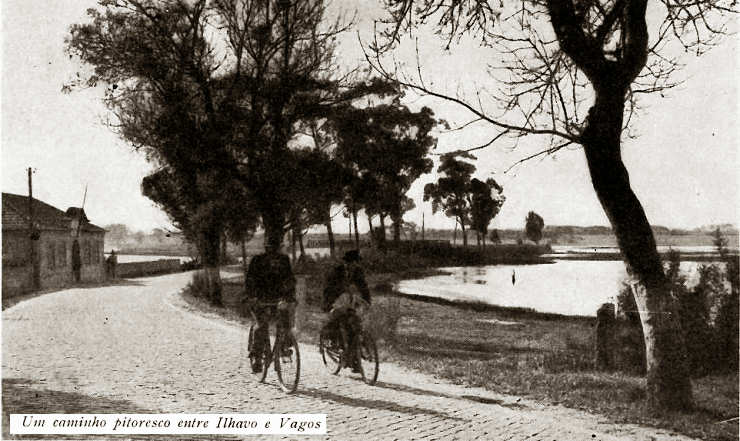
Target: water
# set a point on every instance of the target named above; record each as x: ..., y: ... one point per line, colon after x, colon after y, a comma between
x: 570, y: 287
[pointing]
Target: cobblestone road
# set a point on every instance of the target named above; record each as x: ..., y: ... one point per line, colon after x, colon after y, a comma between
x: 133, y: 348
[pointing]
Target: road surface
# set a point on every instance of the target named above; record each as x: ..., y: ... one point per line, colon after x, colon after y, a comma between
x: 134, y: 348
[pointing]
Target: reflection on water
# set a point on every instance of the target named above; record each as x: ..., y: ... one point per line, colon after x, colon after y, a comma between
x: 570, y: 287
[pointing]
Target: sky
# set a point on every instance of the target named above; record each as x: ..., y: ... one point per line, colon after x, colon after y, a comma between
x: 683, y: 165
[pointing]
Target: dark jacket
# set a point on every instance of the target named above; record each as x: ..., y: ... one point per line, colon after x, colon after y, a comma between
x: 270, y: 278
x: 339, y: 279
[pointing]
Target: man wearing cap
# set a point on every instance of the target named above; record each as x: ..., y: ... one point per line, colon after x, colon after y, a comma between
x: 338, y: 301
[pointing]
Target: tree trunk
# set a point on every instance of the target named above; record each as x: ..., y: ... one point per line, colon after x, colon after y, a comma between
x: 300, y: 244
x: 370, y: 229
x: 330, y: 233
x: 354, y: 221
x: 210, y: 247
x: 292, y: 245
x: 274, y: 224
x: 224, y: 246
x: 454, y: 234
x: 477, y: 238
x: 668, y: 384
x: 244, y: 257
x: 382, y: 228
x: 464, y: 233
x: 397, y: 220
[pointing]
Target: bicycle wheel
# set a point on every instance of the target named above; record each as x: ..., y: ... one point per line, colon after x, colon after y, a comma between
x: 253, y: 358
x: 287, y: 362
x: 368, y: 356
x: 331, y: 353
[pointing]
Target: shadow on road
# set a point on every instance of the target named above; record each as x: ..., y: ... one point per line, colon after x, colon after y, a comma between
x: 9, y: 302
x: 26, y: 396
x: 374, y: 404
x: 495, y: 401
x: 431, y: 393
x: 414, y: 390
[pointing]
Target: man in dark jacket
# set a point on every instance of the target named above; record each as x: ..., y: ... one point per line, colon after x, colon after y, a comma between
x: 269, y: 280
x: 342, y: 316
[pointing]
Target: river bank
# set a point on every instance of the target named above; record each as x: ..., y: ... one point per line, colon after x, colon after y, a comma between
x: 685, y: 257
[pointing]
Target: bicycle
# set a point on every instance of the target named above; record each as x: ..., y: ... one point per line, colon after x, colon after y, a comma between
x: 335, y: 351
x: 281, y: 348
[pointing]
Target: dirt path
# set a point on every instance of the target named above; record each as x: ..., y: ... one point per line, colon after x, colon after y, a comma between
x: 133, y: 348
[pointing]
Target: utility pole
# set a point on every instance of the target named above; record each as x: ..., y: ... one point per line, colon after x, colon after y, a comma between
x: 79, y: 215
x: 33, y: 236
x: 422, y: 226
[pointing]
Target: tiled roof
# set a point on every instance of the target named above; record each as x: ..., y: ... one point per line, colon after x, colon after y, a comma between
x: 46, y: 217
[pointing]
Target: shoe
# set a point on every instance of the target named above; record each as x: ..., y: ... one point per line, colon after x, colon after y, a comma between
x: 256, y: 368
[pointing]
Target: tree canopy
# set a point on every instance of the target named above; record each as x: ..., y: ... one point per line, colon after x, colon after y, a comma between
x: 486, y: 199
x: 533, y: 226
x: 450, y: 194
x: 386, y: 146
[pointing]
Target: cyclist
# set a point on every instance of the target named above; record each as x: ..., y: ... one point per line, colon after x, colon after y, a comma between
x: 269, y: 280
x: 342, y: 316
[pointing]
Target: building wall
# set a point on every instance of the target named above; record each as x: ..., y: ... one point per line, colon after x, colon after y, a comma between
x: 138, y: 269
x: 55, y: 259
x: 54, y: 254
x: 16, y: 263
x: 93, y: 259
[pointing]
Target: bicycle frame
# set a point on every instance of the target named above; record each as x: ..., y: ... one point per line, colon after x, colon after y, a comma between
x: 282, y: 334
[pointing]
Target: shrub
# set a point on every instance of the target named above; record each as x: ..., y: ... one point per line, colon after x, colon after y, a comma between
x: 310, y: 265
x: 708, y: 313
x: 383, y: 317
x: 694, y: 305
x: 197, y: 285
x: 190, y: 265
x: 727, y: 319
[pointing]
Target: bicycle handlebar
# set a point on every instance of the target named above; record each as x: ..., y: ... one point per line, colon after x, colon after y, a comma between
x: 282, y: 305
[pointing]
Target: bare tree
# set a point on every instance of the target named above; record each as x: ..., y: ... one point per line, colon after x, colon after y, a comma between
x: 572, y: 71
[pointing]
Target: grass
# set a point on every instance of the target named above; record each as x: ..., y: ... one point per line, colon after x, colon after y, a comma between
x: 543, y: 357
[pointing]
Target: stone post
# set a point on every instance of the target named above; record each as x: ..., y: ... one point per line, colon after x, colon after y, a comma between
x: 605, y: 321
